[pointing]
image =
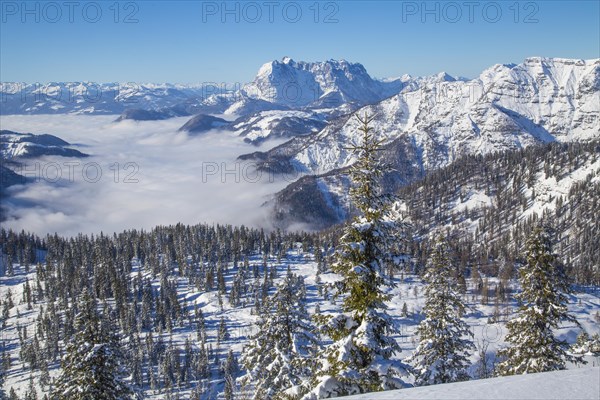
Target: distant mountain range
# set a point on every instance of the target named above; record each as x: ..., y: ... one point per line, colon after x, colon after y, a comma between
x: 426, y: 123
x: 279, y: 85
x: 91, y: 98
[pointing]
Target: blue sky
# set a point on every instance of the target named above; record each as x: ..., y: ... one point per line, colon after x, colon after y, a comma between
x: 205, y: 41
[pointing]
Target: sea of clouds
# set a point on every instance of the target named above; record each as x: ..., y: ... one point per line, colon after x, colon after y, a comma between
x: 164, y: 177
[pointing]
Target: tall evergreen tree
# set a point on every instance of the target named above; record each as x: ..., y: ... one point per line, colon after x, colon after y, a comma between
x: 229, y: 371
x: 443, y: 350
x: 90, y: 367
x: 31, y: 393
x: 360, y: 358
x: 2, y: 373
x: 544, y: 286
x: 278, y: 357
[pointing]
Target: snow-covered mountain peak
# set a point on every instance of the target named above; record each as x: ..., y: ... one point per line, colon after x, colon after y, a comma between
x: 561, y: 68
x: 265, y: 70
x: 334, y: 82
x: 559, y: 61
x: 445, y: 77
x: 507, y: 107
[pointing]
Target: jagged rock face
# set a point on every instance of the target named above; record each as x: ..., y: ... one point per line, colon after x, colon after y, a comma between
x: 291, y: 85
x: 320, y: 84
x: 439, y: 120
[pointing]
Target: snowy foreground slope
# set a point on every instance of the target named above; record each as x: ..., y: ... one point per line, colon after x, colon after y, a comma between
x: 583, y: 383
x: 240, y: 320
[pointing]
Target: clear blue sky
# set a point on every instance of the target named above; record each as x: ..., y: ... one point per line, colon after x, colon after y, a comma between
x: 198, y: 41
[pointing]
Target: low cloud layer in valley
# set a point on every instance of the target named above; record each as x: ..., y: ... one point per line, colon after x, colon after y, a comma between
x: 164, y: 177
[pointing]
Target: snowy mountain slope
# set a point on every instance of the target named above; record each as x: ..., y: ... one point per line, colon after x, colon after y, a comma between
x: 581, y: 384
x: 203, y: 123
x: 319, y: 201
x: 261, y: 126
x: 15, y: 146
x: 506, y: 107
x: 489, y: 201
x: 540, y: 180
x: 246, y: 105
x: 27, y: 145
x: 94, y: 98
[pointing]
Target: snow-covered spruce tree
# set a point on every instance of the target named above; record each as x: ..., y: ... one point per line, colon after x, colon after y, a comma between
x: 360, y: 358
x: 544, y: 285
x: 90, y: 367
x: 586, y: 345
x: 2, y: 373
x: 279, y: 357
x: 230, y: 369
x: 442, y: 355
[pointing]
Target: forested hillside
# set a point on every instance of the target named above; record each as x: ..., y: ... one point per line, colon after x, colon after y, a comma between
x: 486, y: 203
x: 490, y: 204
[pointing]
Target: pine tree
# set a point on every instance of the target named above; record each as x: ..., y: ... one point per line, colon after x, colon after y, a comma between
x: 223, y: 332
x: 278, y: 357
x: 586, y: 345
x: 443, y: 350
x: 2, y: 375
x: 90, y: 367
x: 229, y: 390
x: 31, y: 393
x: 230, y: 370
x: 404, y: 310
x: 359, y: 359
x: 231, y: 364
x: 544, y: 285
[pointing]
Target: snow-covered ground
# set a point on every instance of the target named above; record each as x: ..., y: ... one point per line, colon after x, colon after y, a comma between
x: 580, y: 384
x: 584, y: 305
